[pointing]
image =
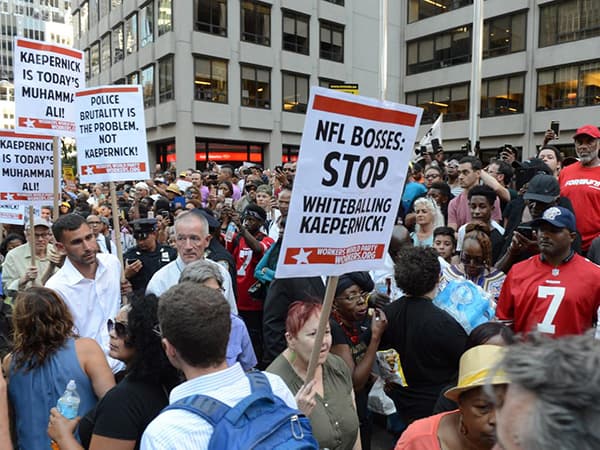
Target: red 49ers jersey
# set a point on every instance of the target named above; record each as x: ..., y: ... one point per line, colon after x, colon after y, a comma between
x: 558, y: 301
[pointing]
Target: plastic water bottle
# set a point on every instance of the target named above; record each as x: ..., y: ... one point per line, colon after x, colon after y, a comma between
x: 231, y: 229
x: 68, y: 404
x: 597, y: 334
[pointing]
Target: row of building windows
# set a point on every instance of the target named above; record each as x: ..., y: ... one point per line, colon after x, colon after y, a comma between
x: 501, y: 36
x: 147, y: 20
x: 567, y: 86
x: 255, y: 22
x: 560, y: 21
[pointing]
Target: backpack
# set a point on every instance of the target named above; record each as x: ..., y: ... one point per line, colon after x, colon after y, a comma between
x: 261, y: 421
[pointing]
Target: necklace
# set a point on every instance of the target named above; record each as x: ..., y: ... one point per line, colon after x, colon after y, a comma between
x: 351, y: 332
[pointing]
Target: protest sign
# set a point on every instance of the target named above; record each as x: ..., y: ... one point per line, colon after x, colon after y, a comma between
x: 111, y: 134
x: 352, y: 166
x: 46, y: 78
x: 27, y: 174
x: 12, y: 214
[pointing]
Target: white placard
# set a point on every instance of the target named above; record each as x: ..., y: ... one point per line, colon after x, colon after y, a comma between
x: 352, y: 165
x: 46, y: 79
x: 27, y: 173
x: 111, y: 134
x: 12, y: 214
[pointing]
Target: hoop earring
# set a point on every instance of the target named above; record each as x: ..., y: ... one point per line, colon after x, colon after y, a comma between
x: 461, y: 427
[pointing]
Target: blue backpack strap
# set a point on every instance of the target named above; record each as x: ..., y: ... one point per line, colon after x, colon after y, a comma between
x: 210, y: 409
x: 260, y: 390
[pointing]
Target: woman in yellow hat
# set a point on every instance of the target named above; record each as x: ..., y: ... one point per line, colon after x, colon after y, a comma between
x: 473, y: 425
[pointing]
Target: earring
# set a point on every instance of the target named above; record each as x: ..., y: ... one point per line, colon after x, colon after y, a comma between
x: 461, y: 427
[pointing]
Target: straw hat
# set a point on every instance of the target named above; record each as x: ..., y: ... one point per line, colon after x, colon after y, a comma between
x: 174, y: 189
x: 477, y: 368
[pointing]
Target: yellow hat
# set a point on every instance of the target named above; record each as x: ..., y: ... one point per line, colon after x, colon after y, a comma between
x: 477, y: 368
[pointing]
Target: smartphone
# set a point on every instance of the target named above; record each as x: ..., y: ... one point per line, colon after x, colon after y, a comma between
x: 526, y: 231
x: 150, y: 214
x: 555, y: 126
x: 219, y: 192
x: 130, y: 261
x: 435, y: 144
x: 228, y: 202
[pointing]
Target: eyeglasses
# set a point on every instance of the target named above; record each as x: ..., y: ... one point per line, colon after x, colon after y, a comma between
x: 93, y: 224
x: 156, y: 330
x: 121, y: 328
x: 359, y: 297
x: 471, y: 260
x: 41, y: 235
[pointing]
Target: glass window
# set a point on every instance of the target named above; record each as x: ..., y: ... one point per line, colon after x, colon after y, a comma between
x: 453, y: 101
x: 76, y: 25
x: 256, y: 87
x: 331, y: 43
x: 83, y: 18
x: 211, y: 16
x: 131, y: 43
x: 93, y: 12
x: 165, y: 79
x: 502, y: 96
x: 146, y: 24
x: 422, y: 9
x: 165, y: 16
x: 569, y: 86
x: 210, y: 79
x: 433, y: 52
x: 256, y: 22
x: 105, y: 52
x: 95, y: 59
x: 336, y: 2
x: 504, y: 35
x: 148, y: 85
x: 117, y: 43
x: 87, y: 63
x: 295, y: 92
x: 133, y: 78
x: 295, y: 32
x: 569, y: 20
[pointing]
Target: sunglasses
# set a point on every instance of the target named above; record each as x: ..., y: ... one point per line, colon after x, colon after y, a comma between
x: 121, y: 329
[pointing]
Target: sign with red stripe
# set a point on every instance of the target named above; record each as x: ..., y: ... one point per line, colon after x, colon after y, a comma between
x: 351, y: 169
x: 111, y: 134
x: 46, y: 79
x: 26, y: 172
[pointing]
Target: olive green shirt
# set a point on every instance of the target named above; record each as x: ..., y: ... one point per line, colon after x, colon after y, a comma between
x: 333, y: 420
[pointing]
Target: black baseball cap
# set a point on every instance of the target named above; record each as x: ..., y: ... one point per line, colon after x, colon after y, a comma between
x: 542, y: 188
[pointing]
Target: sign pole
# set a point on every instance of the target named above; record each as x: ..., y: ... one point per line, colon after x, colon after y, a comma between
x: 32, y: 235
x: 57, y: 175
x: 323, y: 321
x: 116, y: 224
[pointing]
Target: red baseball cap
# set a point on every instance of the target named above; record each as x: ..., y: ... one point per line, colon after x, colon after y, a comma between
x: 590, y: 130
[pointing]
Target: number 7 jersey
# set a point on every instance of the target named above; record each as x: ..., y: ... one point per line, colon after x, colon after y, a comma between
x: 558, y: 301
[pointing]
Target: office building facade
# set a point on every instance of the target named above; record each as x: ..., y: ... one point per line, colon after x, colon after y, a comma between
x: 228, y: 80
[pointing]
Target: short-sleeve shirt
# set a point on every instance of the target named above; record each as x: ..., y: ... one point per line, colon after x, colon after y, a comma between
x: 334, y: 420
x: 581, y: 185
x: 124, y: 412
x: 558, y: 300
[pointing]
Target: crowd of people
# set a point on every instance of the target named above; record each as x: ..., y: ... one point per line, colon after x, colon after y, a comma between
x: 167, y: 343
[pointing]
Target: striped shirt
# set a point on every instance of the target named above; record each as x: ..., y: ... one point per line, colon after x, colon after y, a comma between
x: 182, y: 430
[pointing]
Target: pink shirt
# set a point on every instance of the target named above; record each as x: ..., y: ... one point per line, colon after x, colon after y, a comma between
x: 422, y: 434
x: 459, y: 212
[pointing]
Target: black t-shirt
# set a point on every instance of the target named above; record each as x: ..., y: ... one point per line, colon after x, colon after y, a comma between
x: 124, y: 412
x: 338, y: 336
x: 151, y: 261
x: 430, y: 343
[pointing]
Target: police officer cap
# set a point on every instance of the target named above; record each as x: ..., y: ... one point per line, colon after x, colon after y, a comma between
x: 144, y: 226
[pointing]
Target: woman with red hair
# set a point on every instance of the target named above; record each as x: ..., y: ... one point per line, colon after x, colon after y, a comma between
x: 328, y: 400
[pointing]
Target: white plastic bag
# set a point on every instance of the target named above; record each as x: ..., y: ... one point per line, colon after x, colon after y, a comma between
x: 378, y: 401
